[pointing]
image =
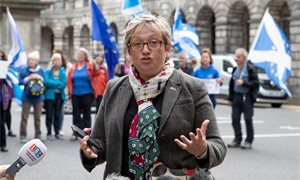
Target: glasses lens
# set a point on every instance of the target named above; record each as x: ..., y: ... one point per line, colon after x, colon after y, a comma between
x: 137, y: 46
x: 154, y: 44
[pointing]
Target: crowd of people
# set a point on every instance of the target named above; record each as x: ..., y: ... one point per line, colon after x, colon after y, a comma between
x: 149, y: 115
x: 49, y: 88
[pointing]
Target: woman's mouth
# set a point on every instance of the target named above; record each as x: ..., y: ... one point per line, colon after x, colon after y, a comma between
x: 146, y: 60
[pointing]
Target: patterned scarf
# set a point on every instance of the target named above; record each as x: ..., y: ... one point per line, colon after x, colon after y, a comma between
x: 142, y: 143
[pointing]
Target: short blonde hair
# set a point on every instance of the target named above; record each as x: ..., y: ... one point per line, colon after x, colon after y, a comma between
x: 159, y: 24
x: 34, y: 55
x: 56, y: 56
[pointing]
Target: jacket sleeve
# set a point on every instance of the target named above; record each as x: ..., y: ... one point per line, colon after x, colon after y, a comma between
x: 50, y: 83
x: 23, y: 77
x: 62, y: 79
x: 99, y: 135
x: 253, y: 81
x: 231, y: 86
x: 216, y: 146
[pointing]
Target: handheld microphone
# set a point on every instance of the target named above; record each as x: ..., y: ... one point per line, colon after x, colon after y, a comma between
x: 31, y: 153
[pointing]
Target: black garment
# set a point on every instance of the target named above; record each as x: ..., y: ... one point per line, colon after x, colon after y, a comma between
x: 213, y: 100
x: 188, y: 69
x: 82, y: 106
x: 131, y: 111
x: 252, y: 84
x: 2, y: 128
x: 53, y: 113
x: 243, y: 103
x: 7, y: 117
x: 98, y: 102
x: 122, y: 71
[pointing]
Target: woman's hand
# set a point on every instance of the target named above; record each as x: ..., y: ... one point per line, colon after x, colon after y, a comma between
x: 197, y: 144
x: 88, y: 151
x: 3, y: 174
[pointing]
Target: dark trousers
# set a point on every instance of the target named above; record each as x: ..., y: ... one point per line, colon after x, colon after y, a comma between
x: 2, y: 127
x: 98, y: 102
x: 242, y: 103
x: 7, y: 116
x: 82, y: 110
x: 53, y: 113
x: 213, y: 100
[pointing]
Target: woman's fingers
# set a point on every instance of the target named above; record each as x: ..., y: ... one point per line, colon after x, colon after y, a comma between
x: 87, y: 150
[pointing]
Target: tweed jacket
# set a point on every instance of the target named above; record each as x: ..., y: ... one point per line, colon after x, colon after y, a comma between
x: 185, y: 106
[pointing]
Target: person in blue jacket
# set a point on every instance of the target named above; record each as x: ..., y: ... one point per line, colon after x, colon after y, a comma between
x: 55, y: 83
x: 208, y: 71
x: 32, y: 77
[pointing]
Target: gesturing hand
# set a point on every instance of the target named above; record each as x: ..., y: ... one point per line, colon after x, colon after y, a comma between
x: 197, y: 144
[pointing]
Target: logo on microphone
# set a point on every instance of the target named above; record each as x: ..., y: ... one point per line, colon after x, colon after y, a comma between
x: 36, y: 150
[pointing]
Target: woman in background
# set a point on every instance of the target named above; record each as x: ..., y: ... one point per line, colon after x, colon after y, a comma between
x: 123, y: 69
x: 55, y: 83
x: 102, y: 79
x: 7, y: 106
x: 82, y: 85
x: 208, y: 71
x: 32, y: 77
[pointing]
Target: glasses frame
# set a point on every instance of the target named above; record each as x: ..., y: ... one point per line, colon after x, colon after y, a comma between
x: 143, y: 45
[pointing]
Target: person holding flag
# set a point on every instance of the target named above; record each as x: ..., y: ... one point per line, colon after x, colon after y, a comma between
x: 243, y: 87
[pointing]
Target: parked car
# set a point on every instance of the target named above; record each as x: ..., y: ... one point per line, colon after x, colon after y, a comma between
x: 268, y: 92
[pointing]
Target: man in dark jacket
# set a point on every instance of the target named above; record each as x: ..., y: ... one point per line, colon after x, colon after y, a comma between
x: 243, y: 89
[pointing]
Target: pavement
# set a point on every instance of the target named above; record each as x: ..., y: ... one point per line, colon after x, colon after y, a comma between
x: 275, y: 154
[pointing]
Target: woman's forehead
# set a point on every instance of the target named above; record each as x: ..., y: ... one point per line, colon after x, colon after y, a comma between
x: 149, y: 28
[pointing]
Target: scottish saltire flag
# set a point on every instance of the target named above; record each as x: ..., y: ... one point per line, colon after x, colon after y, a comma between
x: 271, y: 51
x: 101, y: 31
x: 17, y: 58
x: 184, y: 36
x: 132, y: 7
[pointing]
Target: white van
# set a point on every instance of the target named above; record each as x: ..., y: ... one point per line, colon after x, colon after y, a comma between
x: 268, y: 92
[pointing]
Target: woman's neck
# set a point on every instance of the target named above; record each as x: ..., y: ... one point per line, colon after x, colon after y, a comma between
x: 80, y: 64
x: 55, y: 68
x: 205, y: 66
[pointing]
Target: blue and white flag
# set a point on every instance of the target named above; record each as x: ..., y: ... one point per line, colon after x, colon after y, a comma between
x: 101, y: 31
x: 271, y: 51
x: 184, y: 36
x: 17, y: 58
x: 17, y: 55
x: 132, y: 7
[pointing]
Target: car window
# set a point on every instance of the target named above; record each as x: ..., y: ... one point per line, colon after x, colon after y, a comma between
x: 227, y: 66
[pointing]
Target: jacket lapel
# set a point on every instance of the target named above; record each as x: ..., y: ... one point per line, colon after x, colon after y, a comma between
x: 124, y: 96
x: 172, y: 91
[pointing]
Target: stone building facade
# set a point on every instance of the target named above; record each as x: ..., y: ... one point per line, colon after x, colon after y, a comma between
x: 222, y: 25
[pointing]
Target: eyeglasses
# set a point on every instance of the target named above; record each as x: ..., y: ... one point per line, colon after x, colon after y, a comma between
x: 140, y: 45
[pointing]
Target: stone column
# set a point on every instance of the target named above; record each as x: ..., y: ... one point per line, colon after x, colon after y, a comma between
x: 221, y: 36
x: 294, y: 79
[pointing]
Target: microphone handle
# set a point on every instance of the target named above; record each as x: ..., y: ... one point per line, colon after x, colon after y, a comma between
x: 15, y: 167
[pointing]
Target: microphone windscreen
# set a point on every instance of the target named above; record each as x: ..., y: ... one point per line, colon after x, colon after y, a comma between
x: 33, y: 152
